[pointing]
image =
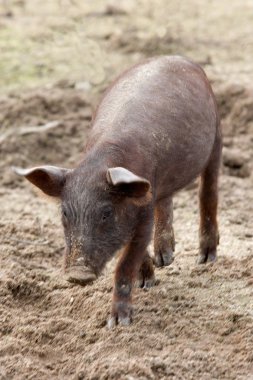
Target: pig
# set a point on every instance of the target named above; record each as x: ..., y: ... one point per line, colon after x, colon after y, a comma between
x: 155, y: 130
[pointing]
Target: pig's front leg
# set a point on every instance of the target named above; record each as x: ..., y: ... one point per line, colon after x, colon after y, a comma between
x: 126, y: 273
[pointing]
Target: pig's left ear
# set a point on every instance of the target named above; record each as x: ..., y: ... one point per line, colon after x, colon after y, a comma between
x: 127, y: 182
x: 49, y: 179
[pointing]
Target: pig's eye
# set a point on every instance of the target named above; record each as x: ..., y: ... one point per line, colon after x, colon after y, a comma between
x: 107, y: 213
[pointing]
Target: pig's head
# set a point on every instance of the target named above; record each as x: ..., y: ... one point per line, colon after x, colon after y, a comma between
x: 99, y: 212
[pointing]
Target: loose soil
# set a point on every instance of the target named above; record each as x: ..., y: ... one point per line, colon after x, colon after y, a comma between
x: 197, y: 322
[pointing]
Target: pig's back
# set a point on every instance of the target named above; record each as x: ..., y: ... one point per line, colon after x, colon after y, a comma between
x: 165, y: 109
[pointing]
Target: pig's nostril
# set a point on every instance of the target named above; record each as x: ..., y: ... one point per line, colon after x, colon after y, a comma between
x: 80, y: 275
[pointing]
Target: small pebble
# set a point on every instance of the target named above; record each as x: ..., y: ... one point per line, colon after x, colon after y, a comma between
x: 82, y: 334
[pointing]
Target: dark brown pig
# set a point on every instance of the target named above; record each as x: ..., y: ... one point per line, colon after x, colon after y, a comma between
x: 155, y: 130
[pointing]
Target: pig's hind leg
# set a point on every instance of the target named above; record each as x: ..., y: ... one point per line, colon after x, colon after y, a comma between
x: 208, y: 195
x: 146, y: 277
x: 164, y: 242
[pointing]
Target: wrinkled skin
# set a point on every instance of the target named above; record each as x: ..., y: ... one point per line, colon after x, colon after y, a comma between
x: 155, y: 130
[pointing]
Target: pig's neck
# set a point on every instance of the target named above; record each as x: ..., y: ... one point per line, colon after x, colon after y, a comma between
x: 113, y: 153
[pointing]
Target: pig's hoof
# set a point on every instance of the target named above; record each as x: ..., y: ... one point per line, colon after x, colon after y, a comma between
x: 114, y: 321
x: 145, y: 282
x: 163, y: 259
x: 207, y: 257
x: 146, y: 277
x: 121, y: 315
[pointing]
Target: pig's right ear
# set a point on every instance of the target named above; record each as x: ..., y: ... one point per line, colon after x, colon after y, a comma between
x: 49, y: 179
x: 127, y: 182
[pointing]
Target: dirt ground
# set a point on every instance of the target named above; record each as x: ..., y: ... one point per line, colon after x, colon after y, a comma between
x: 197, y: 322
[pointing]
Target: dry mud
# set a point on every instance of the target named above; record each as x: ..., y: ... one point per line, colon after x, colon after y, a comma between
x: 196, y: 323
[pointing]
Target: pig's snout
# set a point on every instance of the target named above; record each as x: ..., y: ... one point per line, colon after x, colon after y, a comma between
x: 77, y: 271
x: 80, y: 275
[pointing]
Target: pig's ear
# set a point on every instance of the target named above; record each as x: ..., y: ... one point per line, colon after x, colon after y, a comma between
x: 127, y: 182
x: 49, y: 179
